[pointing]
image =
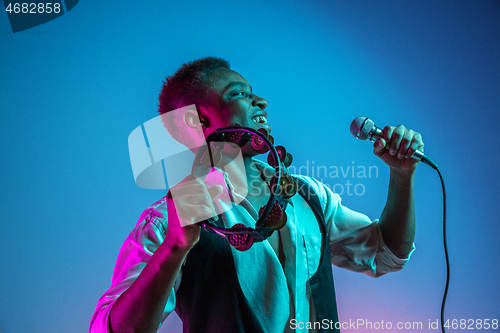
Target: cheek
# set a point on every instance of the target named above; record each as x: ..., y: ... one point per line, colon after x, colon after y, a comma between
x: 238, y: 108
x: 230, y: 113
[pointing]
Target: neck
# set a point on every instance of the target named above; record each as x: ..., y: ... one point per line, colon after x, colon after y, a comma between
x: 242, y: 171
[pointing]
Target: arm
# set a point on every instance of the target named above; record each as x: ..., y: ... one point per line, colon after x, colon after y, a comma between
x: 356, y: 242
x: 397, y: 222
x: 140, y: 307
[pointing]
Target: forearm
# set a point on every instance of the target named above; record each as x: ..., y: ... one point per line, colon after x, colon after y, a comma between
x: 397, y: 221
x: 140, y: 307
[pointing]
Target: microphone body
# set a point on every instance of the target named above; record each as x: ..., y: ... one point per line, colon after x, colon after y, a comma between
x: 363, y: 128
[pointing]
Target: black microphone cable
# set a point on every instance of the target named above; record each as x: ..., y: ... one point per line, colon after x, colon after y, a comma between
x: 363, y: 128
x: 433, y: 165
x: 445, y: 245
x: 445, y: 242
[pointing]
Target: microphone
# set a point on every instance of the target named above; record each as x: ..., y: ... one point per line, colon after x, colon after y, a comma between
x: 363, y: 128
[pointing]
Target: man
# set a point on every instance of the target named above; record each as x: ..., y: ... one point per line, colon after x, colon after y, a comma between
x: 168, y: 261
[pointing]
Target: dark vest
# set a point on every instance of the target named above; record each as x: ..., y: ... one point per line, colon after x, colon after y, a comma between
x: 210, y: 299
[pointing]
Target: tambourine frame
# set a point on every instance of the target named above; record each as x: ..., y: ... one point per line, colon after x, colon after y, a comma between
x: 261, y: 231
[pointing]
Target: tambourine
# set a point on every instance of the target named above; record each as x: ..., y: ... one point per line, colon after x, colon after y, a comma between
x: 272, y: 216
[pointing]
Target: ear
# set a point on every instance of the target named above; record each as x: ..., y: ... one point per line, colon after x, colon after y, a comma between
x: 192, y: 120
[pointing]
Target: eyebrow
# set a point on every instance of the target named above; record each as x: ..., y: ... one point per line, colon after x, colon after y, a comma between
x: 236, y: 84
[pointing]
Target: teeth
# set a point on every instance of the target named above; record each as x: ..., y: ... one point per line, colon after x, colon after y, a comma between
x: 260, y: 119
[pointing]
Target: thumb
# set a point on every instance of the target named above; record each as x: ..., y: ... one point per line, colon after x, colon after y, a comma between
x: 379, y: 147
x: 215, y: 191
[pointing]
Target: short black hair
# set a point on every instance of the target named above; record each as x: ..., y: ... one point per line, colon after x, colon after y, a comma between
x: 186, y: 87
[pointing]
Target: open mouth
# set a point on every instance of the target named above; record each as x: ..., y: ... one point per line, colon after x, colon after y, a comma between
x: 260, y: 119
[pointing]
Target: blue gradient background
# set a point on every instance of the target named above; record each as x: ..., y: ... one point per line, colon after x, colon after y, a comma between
x: 73, y: 89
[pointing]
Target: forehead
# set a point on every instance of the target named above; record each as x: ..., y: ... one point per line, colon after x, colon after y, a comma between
x: 223, y: 78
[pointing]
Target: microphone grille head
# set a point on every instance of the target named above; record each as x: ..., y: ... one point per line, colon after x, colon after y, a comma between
x: 361, y: 128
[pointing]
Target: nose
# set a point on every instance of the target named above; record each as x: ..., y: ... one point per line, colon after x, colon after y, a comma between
x: 259, y: 102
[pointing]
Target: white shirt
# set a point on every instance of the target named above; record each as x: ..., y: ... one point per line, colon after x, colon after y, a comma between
x: 355, y: 243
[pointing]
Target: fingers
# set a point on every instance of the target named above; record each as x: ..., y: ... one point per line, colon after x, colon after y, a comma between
x: 193, y: 201
x: 402, y: 142
x: 416, y: 144
x: 215, y: 191
x: 189, y: 185
x: 379, y: 147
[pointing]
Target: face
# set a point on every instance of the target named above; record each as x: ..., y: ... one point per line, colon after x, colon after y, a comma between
x: 232, y: 102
